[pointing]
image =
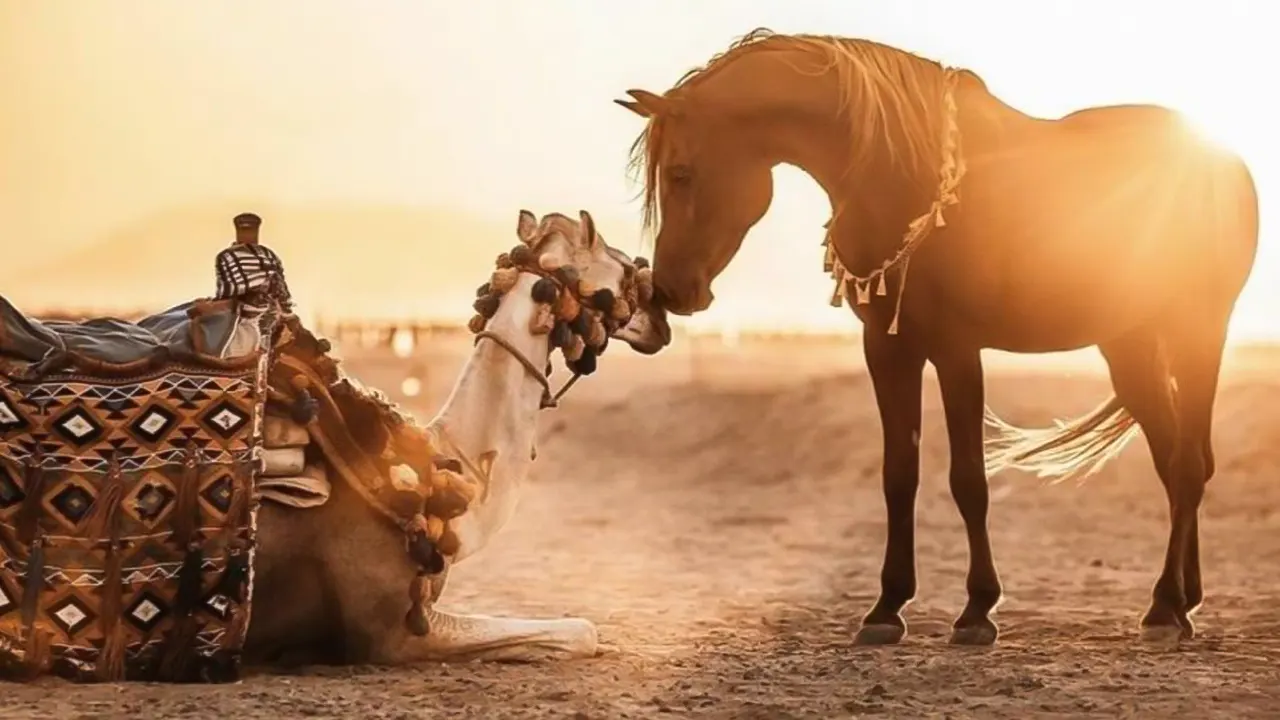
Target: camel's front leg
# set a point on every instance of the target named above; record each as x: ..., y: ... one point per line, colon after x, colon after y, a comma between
x: 457, y: 637
x: 480, y: 637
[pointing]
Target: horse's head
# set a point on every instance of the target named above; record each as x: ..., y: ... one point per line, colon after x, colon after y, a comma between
x: 704, y: 190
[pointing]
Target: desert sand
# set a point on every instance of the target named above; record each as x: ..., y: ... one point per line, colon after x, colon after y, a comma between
x: 718, y: 515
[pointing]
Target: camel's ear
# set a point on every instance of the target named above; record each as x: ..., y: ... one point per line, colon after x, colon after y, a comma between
x: 588, y: 228
x: 634, y: 107
x: 527, y: 227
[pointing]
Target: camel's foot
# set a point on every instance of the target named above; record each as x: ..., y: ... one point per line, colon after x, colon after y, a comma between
x: 880, y: 634
x: 479, y: 637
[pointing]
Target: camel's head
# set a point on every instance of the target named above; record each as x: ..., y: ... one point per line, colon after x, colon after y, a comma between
x: 588, y: 292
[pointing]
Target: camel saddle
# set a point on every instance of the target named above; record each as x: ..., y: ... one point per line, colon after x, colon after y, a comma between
x: 130, y: 454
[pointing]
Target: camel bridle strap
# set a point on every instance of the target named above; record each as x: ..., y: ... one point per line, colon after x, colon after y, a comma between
x: 549, y: 399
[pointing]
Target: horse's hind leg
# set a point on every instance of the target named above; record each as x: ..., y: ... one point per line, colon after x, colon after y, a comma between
x: 1195, y: 346
x: 1176, y: 424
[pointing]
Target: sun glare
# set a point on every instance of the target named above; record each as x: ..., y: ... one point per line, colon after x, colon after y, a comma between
x: 1213, y: 131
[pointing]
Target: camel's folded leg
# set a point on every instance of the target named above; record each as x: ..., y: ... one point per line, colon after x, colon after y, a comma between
x: 480, y: 637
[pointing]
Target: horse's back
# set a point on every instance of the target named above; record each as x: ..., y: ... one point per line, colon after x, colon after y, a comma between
x: 1099, y: 220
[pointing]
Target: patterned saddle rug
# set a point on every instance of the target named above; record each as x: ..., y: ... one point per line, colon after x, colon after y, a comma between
x: 130, y: 468
x: 128, y: 455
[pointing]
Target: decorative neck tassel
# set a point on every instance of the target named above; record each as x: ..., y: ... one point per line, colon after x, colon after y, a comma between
x: 902, y: 290
x: 880, y: 288
x: 863, y: 290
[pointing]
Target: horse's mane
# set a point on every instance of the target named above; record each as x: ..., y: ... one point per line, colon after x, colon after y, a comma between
x: 877, y: 82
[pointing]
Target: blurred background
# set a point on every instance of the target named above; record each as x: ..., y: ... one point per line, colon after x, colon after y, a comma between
x: 716, y: 508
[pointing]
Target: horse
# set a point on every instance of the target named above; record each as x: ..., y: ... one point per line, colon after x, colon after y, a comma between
x: 1117, y: 227
x: 355, y: 499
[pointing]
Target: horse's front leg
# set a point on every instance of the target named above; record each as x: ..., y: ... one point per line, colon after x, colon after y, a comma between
x: 896, y: 367
x: 960, y: 381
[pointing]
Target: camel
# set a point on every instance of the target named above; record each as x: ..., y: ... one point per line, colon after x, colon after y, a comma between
x: 335, y: 597
x: 347, y: 482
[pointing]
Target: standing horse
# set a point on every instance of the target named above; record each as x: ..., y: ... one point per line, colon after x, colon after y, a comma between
x: 1113, y: 226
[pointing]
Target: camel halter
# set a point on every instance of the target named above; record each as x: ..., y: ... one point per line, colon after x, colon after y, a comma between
x: 953, y: 169
x: 549, y: 399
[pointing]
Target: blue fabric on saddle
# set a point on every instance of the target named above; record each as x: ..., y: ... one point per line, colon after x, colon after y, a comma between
x: 114, y: 341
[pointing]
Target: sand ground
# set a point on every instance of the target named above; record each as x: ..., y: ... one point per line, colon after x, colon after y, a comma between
x: 719, y: 517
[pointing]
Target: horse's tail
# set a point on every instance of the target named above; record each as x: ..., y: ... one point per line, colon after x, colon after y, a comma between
x: 1074, y: 449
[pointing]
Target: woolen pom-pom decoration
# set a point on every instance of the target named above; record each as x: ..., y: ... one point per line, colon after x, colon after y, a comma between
x: 586, y: 362
x: 644, y: 286
x: 503, y: 261
x: 521, y: 256
x: 581, y: 325
x: 597, y: 334
x: 483, y: 290
x: 503, y: 279
x: 477, y: 323
x: 543, y: 320
x: 545, y: 291
x: 603, y: 300
x: 561, y: 335
x: 487, y: 305
x: 640, y: 263
x: 567, y: 307
x: 550, y: 263
x: 574, y: 349
x: 621, y: 310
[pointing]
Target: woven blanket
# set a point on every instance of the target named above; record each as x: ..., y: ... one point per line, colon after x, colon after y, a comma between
x: 128, y: 456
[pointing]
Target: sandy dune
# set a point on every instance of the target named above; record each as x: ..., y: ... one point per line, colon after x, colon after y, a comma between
x: 723, y: 525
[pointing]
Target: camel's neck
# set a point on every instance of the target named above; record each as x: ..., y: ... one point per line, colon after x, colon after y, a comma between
x: 493, y: 409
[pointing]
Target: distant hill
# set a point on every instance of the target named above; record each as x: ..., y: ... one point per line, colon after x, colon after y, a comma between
x: 342, y: 261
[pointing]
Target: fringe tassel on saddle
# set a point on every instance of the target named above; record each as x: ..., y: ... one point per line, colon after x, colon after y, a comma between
x: 38, y: 650
x: 177, y: 647
x: 103, y: 524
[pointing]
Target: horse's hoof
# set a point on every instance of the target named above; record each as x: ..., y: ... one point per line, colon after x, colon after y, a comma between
x: 879, y: 634
x: 975, y: 635
x: 1162, y: 635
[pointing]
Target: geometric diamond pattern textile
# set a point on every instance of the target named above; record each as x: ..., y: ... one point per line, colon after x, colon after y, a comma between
x: 126, y: 521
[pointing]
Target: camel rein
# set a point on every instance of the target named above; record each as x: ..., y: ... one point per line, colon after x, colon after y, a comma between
x: 549, y: 399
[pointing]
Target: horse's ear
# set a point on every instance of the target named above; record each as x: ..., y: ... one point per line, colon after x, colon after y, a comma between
x: 651, y: 104
x: 527, y: 227
x: 634, y: 107
x: 588, y: 228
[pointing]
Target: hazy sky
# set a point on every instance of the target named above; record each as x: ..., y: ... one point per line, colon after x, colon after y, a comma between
x: 113, y: 111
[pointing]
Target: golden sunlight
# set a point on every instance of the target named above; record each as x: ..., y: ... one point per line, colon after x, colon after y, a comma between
x: 382, y: 147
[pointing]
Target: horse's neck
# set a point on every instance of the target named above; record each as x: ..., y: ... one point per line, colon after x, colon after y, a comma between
x: 874, y: 199
x: 493, y: 409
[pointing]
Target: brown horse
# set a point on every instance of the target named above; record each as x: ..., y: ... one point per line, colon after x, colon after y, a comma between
x: 1113, y: 226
